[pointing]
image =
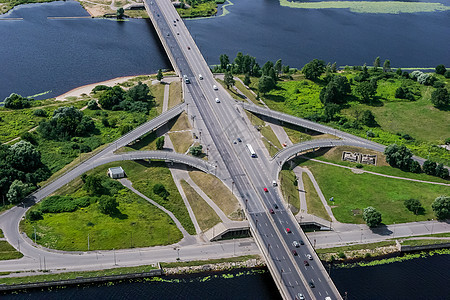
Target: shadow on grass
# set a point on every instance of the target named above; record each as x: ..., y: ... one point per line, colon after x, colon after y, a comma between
x: 117, y: 214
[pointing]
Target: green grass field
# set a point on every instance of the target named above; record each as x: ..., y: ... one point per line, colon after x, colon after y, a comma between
x: 205, y: 215
x: 354, y: 192
x: 289, y: 190
x: 300, y: 97
x: 8, y: 252
x: 139, y: 224
x: 315, y: 206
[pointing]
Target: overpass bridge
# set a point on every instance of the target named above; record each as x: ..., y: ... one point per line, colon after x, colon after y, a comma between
x: 223, y: 121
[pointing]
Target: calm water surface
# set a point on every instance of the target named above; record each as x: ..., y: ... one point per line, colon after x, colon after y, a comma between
x: 423, y: 278
x: 40, y: 54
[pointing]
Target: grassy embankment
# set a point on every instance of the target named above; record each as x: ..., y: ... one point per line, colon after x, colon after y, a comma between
x: 209, y: 261
x: 218, y: 193
x: 148, y: 225
x: 7, y: 5
x: 75, y: 275
x: 313, y: 202
x: 289, y: 188
x: 205, y: 215
x: 300, y: 97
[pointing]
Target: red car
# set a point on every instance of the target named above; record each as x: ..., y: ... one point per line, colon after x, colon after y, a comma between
x: 288, y: 230
x: 294, y: 252
x: 271, y: 211
x: 266, y: 190
x: 306, y: 263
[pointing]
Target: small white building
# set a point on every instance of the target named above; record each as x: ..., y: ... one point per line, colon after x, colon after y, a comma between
x: 116, y: 172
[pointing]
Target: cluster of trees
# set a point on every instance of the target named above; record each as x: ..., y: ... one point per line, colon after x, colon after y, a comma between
x: 401, y: 157
x: 21, y: 169
x: 137, y: 98
x: 160, y: 190
x: 15, y: 101
x: 66, y: 123
x: 414, y: 206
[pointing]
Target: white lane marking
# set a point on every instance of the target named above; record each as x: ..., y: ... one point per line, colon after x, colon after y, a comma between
x: 319, y: 279
x: 296, y: 282
x: 278, y: 246
x: 320, y: 294
x: 312, y: 267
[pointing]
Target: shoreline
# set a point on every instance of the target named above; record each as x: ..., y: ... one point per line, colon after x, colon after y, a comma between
x: 86, y: 89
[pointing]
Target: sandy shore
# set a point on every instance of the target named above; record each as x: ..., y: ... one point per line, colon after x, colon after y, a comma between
x: 86, y: 89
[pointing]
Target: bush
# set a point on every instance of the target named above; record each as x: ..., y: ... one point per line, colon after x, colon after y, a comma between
x: 92, y: 105
x: 414, y: 206
x: 370, y: 134
x: 107, y: 204
x: 29, y: 137
x: 447, y: 74
x: 160, y: 190
x: 40, y: 112
x: 125, y: 129
x: 101, y: 88
x: 440, y: 98
x: 440, y: 69
x: 58, y: 204
x: 35, y: 215
x: 15, y: 101
x: 359, y: 166
x: 342, y: 255
x: 196, y: 150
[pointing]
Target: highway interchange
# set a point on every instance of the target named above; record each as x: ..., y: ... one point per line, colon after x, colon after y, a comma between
x: 222, y: 124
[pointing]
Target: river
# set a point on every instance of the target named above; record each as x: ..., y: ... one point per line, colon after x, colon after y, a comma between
x: 421, y: 278
x: 52, y: 56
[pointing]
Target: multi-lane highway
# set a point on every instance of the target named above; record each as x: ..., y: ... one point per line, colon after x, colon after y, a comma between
x: 225, y: 123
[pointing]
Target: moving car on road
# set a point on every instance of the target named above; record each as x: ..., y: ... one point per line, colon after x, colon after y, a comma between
x: 309, y: 256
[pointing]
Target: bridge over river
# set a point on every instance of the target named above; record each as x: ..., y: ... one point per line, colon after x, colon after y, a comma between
x: 222, y: 123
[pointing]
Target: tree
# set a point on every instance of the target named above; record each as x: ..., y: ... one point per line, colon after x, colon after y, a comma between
x: 429, y: 167
x: 93, y: 185
x: 414, y: 205
x: 398, y: 156
x: 120, y: 13
x: 160, y: 190
x: 224, y: 61
x: 92, y: 105
x: 265, y: 84
x: 15, y: 101
x: 266, y: 68
x: 111, y: 97
x: 247, y: 80
x: 107, y: 204
x: 376, y: 63
x: 239, y: 62
x: 330, y: 110
x: 441, y: 171
x: 414, y: 167
x: 368, y: 119
x: 160, y: 143
x: 196, y: 150
x: 139, y: 92
x: 440, y: 98
x: 286, y: 69
x: 278, y: 67
x: 17, y: 191
x: 365, y: 91
x: 314, y: 69
x: 333, y: 67
x: 440, y: 69
x: 371, y: 216
x: 336, y: 90
x: 25, y: 157
x: 229, y: 80
x: 160, y: 75
x: 441, y: 207
x: 387, y: 66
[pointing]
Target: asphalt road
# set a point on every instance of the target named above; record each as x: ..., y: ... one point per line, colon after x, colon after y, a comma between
x: 250, y: 175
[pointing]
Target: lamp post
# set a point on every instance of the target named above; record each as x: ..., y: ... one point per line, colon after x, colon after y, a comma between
x: 232, y: 187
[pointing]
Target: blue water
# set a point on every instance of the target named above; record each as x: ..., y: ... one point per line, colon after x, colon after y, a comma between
x: 423, y: 278
x: 40, y: 54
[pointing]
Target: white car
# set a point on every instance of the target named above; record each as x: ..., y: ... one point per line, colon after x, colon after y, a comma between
x: 217, y: 100
x: 200, y: 76
x: 309, y: 256
x: 295, y: 244
x: 215, y: 87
